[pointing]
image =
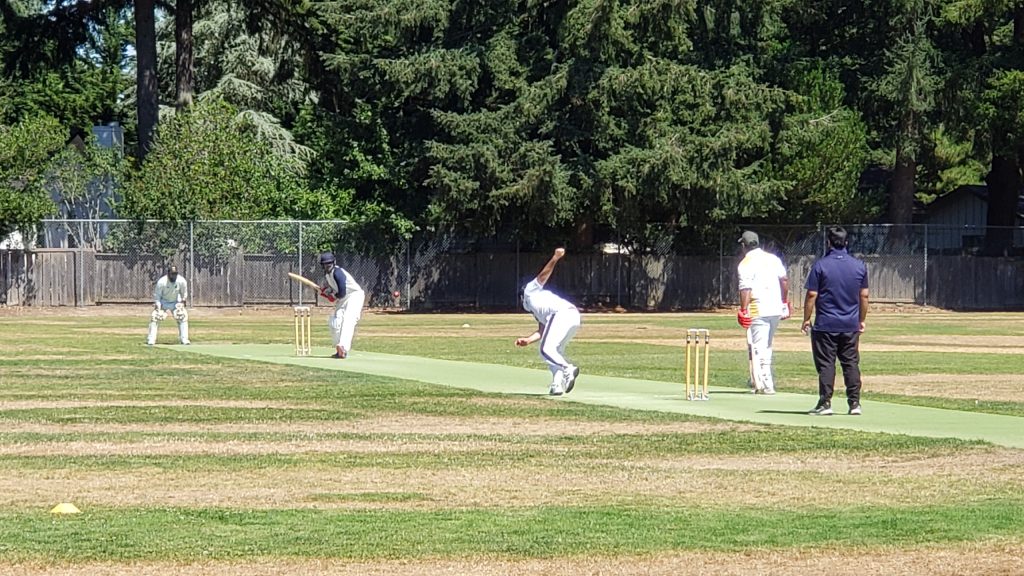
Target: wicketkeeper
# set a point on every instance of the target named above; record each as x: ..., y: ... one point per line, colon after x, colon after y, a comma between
x: 169, y: 296
x: 341, y: 288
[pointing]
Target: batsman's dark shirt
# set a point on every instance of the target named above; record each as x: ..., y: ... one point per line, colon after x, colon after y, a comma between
x: 838, y: 279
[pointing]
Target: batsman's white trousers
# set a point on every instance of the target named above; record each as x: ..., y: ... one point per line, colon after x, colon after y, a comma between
x: 558, y: 331
x: 347, y: 313
x: 762, y: 332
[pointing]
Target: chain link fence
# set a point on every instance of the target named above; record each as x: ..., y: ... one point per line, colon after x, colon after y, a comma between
x: 238, y: 263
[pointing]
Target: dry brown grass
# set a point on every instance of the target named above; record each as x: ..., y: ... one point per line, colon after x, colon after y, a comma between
x: 998, y: 558
x: 555, y: 474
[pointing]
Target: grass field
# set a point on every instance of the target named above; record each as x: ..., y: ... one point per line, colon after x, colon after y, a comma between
x: 190, y: 464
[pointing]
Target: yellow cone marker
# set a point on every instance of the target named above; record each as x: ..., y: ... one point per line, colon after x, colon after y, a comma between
x: 65, y: 508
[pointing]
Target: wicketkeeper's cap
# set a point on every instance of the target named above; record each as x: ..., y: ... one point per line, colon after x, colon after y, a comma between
x: 327, y: 258
x: 749, y: 238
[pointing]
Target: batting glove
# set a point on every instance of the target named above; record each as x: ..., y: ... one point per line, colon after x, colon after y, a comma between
x: 744, y: 318
x: 328, y: 293
x: 786, y: 310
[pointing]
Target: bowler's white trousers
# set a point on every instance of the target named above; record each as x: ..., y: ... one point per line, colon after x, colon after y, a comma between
x: 558, y: 331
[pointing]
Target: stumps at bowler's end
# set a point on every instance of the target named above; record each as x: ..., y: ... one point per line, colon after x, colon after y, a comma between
x: 698, y: 343
x: 303, y: 336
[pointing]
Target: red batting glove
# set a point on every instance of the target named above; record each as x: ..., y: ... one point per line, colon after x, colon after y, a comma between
x: 744, y: 319
x: 325, y: 294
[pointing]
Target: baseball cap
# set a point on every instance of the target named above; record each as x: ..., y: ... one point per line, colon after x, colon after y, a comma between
x: 749, y: 238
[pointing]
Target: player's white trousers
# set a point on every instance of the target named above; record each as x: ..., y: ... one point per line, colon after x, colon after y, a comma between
x: 558, y: 331
x: 762, y: 332
x: 154, y: 326
x: 347, y: 313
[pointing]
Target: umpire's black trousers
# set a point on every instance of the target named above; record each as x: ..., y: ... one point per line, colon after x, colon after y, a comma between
x: 826, y: 348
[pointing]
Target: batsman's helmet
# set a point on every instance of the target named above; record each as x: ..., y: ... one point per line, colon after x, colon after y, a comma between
x: 326, y: 261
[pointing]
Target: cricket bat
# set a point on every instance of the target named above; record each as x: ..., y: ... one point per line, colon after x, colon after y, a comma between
x: 304, y: 280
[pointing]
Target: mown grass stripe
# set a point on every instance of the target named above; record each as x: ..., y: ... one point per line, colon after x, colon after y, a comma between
x: 208, y: 534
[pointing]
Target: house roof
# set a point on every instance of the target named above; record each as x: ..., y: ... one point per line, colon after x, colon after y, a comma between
x: 979, y: 191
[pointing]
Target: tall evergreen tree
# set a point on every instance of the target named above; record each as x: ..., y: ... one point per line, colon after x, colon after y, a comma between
x: 147, y: 89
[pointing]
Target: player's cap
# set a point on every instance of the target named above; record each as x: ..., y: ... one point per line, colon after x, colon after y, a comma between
x: 327, y: 258
x: 749, y: 238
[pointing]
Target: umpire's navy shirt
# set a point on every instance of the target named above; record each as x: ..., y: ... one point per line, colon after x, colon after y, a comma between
x: 838, y: 279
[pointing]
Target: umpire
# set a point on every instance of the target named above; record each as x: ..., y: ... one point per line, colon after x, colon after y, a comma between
x: 837, y: 292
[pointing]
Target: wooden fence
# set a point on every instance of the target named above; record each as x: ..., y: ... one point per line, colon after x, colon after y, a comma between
x: 488, y: 281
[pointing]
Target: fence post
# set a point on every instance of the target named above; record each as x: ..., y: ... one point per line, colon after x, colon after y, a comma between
x: 299, y: 263
x: 925, y: 265
x: 721, y: 268
x: 192, y: 261
x: 80, y: 291
x: 515, y: 282
x: 618, y: 270
x: 408, y: 274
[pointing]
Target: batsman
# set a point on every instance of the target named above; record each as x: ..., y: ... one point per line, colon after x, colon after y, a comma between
x: 348, y: 297
x: 170, y: 295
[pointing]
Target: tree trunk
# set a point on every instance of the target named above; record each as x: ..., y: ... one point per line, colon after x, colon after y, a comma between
x: 903, y: 184
x: 147, y: 89
x: 184, y: 58
x: 1018, y: 25
x: 1004, y: 184
x: 902, y: 189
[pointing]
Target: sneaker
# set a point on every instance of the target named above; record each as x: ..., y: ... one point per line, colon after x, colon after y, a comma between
x: 556, y: 390
x: 768, y: 391
x: 569, y: 376
x: 822, y: 410
x: 186, y: 343
x: 855, y: 410
x: 340, y: 354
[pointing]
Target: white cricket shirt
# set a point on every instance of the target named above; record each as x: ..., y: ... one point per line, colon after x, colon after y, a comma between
x: 760, y: 272
x: 167, y: 291
x: 543, y: 304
